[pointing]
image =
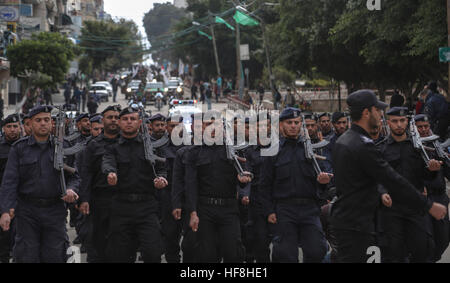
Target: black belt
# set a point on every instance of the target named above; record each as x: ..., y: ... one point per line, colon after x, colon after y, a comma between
x: 297, y: 201
x: 134, y: 197
x: 40, y: 202
x: 217, y: 201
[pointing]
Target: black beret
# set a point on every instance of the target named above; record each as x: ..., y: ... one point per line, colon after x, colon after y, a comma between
x: 363, y: 99
x: 40, y: 109
x: 310, y: 116
x: 290, y: 113
x: 422, y: 118
x: 397, y: 111
x: 128, y: 110
x: 24, y: 117
x: 336, y: 116
x: 158, y: 117
x: 96, y: 119
x: 13, y: 118
x: 116, y: 108
x: 81, y: 117
x: 324, y: 114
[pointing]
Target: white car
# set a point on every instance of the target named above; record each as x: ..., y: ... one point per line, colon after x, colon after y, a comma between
x: 107, y: 85
x: 184, y: 108
x: 101, y: 92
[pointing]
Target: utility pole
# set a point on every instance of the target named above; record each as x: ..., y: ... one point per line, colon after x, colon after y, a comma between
x: 269, y: 65
x: 216, y: 55
x: 239, y: 81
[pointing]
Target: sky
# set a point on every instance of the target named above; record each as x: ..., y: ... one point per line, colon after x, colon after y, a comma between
x: 131, y: 9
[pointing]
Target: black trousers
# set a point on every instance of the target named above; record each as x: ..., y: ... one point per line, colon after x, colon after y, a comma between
x: 133, y: 226
x: 189, y: 243
x: 41, y: 234
x: 258, y: 234
x: 219, y: 234
x: 440, y: 229
x: 6, y: 242
x: 405, y: 238
x: 298, y: 225
x: 171, y: 229
x: 100, y: 211
x: 352, y: 246
x: 244, y: 219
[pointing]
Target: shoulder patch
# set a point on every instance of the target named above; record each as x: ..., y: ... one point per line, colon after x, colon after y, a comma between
x: 367, y: 140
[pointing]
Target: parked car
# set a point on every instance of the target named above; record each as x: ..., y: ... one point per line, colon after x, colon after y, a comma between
x: 107, y: 85
x: 101, y: 92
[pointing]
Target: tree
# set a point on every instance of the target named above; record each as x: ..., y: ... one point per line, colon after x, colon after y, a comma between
x: 41, y: 61
x: 159, y: 22
x: 161, y: 19
x: 392, y: 48
x: 111, y: 45
x: 198, y: 50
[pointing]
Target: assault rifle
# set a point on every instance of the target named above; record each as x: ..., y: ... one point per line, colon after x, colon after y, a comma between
x: 58, y: 160
x: 309, y: 148
x: 149, y: 154
x: 231, y: 151
x: 417, y: 141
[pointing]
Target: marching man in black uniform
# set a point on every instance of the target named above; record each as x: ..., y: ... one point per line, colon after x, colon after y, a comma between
x: 134, y: 219
x: 11, y: 133
x: 211, y: 192
x: 31, y: 186
x: 436, y: 191
x: 404, y: 230
x: 290, y: 192
x: 95, y: 193
x: 358, y: 168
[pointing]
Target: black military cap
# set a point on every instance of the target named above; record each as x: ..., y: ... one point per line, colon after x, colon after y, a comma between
x: 25, y: 117
x: 96, y: 119
x: 323, y: 115
x: 116, y: 108
x: 336, y: 116
x: 40, y: 109
x: 363, y: 99
x: 128, y: 110
x: 158, y: 117
x: 397, y: 111
x: 422, y: 118
x: 290, y: 113
x: 13, y: 118
x: 81, y: 117
x: 175, y: 118
x: 310, y: 116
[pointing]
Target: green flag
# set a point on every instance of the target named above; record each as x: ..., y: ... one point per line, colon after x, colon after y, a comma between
x: 205, y: 34
x: 222, y: 21
x: 244, y: 19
